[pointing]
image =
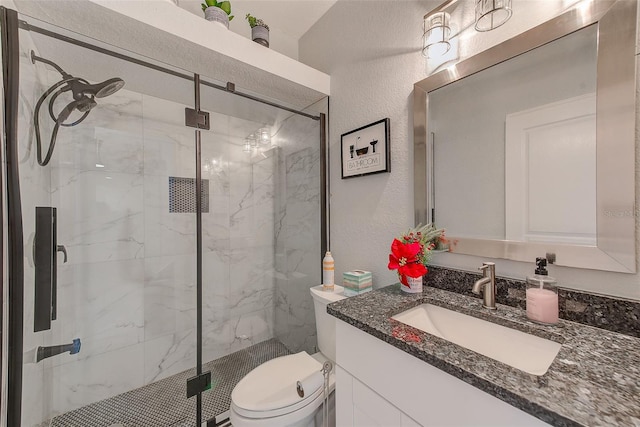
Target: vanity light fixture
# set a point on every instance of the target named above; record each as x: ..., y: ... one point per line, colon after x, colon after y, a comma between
x: 490, y: 14
x: 436, y: 32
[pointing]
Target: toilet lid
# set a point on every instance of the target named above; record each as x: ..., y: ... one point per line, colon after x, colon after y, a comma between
x: 272, y: 386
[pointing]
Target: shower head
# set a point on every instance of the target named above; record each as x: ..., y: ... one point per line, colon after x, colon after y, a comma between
x: 109, y: 87
x: 84, y: 94
x: 98, y: 90
x: 80, y: 87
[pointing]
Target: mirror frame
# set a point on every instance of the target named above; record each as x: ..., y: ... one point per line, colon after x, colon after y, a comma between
x: 615, y: 138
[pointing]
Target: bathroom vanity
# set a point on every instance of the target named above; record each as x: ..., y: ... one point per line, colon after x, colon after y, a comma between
x: 382, y: 385
x: 390, y: 373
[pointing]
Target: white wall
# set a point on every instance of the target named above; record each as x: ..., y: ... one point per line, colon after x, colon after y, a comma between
x: 372, y: 53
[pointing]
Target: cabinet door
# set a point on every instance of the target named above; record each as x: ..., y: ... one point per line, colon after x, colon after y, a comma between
x: 369, y: 409
x: 359, y: 406
x: 344, y: 398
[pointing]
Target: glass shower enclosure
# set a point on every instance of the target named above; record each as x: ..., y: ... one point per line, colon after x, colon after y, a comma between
x: 161, y: 232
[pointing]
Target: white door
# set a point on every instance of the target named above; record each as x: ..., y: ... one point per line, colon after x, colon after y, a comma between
x: 550, y: 173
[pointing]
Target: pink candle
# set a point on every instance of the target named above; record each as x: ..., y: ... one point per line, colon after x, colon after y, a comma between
x: 542, y: 305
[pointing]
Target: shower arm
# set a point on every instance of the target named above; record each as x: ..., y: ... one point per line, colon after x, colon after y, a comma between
x: 35, y: 58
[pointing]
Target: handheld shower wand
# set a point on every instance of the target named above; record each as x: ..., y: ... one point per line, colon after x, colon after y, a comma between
x: 84, y: 95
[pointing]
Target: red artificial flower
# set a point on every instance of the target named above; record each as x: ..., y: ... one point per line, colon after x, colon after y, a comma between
x: 404, y: 258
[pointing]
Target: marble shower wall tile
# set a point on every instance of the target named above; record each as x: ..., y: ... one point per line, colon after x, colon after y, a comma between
x: 169, y: 354
x: 100, y: 214
x: 100, y: 303
x: 169, y: 150
x: 264, y: 204
x: 228, y: 335
x: 219, y: 338
x: 251, y: 269
x: 241, y: 207
x: 217, y: 287
x: 93, y: 148
x: 169, y: 295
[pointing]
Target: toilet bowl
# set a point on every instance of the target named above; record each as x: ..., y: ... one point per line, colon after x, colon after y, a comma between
x: 267, y: 396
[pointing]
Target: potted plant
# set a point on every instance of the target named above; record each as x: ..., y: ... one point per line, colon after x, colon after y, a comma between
x: 217, y: 11
x: 259, y: 30
x: 410, y: 254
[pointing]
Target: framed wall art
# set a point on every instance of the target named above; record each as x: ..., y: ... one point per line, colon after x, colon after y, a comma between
x: 365, y: 150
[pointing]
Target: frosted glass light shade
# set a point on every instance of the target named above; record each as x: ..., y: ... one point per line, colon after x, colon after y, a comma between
x: 436, y: 33
x: 490, y: 14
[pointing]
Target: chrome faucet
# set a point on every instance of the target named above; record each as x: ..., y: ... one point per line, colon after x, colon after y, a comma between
x: 487, y: 285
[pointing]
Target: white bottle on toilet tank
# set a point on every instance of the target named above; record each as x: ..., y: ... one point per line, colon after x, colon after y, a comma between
x: 328, y: 272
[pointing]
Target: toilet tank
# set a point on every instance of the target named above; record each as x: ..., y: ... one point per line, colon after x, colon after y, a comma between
x: 326, y: 323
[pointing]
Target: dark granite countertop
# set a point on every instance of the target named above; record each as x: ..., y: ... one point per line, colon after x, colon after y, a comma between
x: 593, y: 381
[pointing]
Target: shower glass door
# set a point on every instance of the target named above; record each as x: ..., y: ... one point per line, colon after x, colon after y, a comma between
x: 262, y: 238
x: 122, y: 183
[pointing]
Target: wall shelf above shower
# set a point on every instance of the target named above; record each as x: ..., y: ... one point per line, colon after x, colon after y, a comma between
x: 161, y: 30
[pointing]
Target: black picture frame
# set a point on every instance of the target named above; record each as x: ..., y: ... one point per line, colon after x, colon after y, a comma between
x: 365, y: 151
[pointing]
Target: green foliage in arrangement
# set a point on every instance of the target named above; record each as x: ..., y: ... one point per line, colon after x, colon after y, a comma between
x: 255, y: 22
x: 224, y: 5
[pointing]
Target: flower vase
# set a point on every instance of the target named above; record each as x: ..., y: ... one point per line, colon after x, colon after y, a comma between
x: 415, y: 285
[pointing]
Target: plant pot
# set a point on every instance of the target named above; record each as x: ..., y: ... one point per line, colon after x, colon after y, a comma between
x: 415, y: 285
x: 215, y: 14
x: 260, y: 34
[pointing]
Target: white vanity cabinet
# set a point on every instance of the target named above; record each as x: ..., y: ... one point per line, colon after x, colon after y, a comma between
x: 378, y: 384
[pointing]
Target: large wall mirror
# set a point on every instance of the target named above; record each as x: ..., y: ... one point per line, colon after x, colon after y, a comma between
x: 528, y: 148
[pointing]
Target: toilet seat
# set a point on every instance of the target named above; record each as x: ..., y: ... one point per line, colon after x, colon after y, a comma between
x: 270, y: 389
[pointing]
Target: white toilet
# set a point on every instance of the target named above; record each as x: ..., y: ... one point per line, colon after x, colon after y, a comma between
x: 267, y: 396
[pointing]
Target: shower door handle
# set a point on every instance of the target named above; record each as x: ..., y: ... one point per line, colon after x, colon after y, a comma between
x: 62, y: 249
x: 45, y: 253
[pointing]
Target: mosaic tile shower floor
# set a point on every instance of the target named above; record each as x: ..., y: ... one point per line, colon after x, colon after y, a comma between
x: 164, y: 403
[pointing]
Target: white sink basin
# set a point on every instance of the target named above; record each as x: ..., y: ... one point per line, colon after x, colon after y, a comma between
x: 523, y: 351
